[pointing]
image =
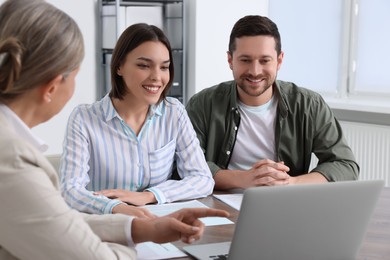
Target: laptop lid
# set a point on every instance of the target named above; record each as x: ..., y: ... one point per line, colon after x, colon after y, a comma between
x: 312, y: 221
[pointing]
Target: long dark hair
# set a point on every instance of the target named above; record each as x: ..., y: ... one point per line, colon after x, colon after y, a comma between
x: 130, y: 39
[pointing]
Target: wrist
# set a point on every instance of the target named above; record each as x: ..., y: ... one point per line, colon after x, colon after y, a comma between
x: 150, y: 197
x: 141, y: 230
x: 228, y: 179
x: 118, y: 208
x: 293, y: 180
x: 122, y: 208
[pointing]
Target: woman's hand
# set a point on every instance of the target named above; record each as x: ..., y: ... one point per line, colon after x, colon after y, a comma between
x: 132, y: 197
x: 133, y: 211
x: 183, y: 224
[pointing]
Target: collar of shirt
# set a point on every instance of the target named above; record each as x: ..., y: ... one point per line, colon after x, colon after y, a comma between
x: 258, y: 109
x: 110, y: 111
x: 22, y: 130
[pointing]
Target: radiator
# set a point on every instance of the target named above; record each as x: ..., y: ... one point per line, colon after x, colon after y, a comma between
x: 371, y: 146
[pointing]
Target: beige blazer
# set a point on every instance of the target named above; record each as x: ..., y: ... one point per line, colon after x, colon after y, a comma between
x: 35, y: 221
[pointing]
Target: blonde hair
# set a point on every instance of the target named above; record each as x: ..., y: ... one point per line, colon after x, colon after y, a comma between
x: 37, y: 43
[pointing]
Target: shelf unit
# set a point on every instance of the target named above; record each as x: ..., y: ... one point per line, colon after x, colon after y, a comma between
x: 116, y: 15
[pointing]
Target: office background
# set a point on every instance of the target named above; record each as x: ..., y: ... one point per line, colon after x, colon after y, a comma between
x: 365, y: 119
x: 207, y: 62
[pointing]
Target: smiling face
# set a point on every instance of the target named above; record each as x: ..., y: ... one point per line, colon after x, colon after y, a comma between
x: 255, y: 64
x: 145, y: 72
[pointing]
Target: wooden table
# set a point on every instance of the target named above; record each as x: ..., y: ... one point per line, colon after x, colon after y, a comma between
x: 376, y: 244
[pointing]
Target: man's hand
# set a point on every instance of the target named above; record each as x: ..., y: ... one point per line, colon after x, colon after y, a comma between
x: 133, y: 211
x: 131, y: 197
x: 263, y: 172
x: 183, y: 224
x: 269, y: 173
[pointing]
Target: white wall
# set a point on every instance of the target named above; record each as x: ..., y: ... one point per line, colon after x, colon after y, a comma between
x: 83, y: 12
x: 208, y: 41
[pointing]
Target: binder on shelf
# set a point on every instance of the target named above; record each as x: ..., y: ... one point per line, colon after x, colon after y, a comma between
x: 176, y: 89
x: 107, y: 73
x: 174, y: 24
x: 109, y: 25
x: 145, y: 14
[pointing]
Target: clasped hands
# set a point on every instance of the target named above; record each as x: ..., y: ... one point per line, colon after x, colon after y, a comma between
x: 266, y: 173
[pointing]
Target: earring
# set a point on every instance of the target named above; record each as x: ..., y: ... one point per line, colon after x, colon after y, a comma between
x: 48, y: 98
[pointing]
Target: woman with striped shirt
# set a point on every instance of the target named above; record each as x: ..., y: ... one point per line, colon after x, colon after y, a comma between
x: 120, y: 152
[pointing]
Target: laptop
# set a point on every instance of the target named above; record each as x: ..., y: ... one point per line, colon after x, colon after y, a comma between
x: 298, y: 222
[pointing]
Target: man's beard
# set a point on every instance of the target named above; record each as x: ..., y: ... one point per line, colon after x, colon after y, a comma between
x: 259, y: 92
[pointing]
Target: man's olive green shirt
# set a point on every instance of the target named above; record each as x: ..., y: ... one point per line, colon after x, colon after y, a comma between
x: 304, y: 125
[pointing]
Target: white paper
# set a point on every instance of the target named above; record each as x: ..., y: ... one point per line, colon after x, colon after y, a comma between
x: 165, y: 209
x: 233, y: 200
x: 150, y: 250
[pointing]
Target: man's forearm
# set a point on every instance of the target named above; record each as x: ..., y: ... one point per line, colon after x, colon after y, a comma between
x: 227, y: 179
x: 313, y: 177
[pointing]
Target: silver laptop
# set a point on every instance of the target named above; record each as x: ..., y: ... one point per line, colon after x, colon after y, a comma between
x: 299, y: 222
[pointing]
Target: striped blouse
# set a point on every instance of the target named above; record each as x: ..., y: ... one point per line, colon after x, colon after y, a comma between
x: 100, y: 151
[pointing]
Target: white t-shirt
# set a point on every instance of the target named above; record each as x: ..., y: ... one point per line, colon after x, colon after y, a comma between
x: 256, y: 135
